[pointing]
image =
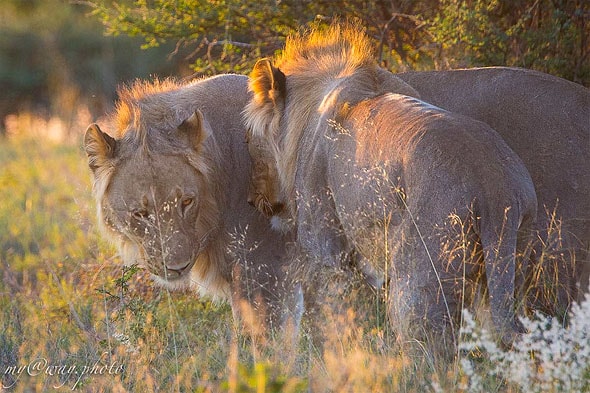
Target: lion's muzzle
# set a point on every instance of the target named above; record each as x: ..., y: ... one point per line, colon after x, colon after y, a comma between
x: 265, y: 206
x: 176, y: 271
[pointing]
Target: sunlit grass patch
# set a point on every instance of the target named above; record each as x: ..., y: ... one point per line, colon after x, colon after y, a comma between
x: 65, y: 300
x: 72, y: 316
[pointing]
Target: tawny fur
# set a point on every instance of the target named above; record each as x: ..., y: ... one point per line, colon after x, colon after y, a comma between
x: 342, y: 148
x: 314, y: 62
x: 175, y: 143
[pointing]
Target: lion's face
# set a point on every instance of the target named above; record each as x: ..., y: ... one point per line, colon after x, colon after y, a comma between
x: 264, y: 189
x: 156, y: 205
x: 157, y: 208
x: 264, y: 115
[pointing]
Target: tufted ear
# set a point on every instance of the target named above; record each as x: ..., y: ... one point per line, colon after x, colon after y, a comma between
x: 268, y: 83
x: 100, y: 148
x: 196, y: 129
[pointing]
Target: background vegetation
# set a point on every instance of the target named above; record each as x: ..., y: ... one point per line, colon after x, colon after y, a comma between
x: 65, y: 298
x: 73, y: 318
x: 551, y: 36
x: 55, y: 57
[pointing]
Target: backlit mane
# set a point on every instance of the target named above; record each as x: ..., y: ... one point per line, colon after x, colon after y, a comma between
x: 336, y: 63
x: 315, y: 62
x: 336, y: 52
x: 144, y: 102
x: 146, y: 110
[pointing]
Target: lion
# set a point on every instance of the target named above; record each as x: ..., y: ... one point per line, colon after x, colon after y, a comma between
x: 170, y: 193
x: 354, y: 161
x: 546, y: 121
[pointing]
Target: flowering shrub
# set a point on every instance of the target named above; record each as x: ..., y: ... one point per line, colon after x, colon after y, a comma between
x: 548, y: 358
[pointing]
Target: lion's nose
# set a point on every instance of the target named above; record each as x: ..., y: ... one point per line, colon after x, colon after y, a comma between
x: 277, y: 208
x: 251, y: 202
x: 178, y: 271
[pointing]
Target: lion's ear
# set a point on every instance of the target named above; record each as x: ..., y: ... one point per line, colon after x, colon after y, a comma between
x: 196, y: 129
x: 268, y: 83
x: 99, y: 146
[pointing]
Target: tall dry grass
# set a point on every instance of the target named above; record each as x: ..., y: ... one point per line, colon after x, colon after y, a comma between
x: 72, y: 317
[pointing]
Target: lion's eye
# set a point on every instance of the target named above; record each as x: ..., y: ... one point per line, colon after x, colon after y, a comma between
x: 186, y: 202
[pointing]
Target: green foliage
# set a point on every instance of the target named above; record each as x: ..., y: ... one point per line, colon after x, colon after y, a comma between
x: 467, y: 33
x: 229, y: 35
x: 545, y: 35
x: 262, y: 377
x: 220, y: 33
x: 55, y: 59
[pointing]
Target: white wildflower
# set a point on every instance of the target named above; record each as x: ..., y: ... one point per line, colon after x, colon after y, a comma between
x: 125, y: 341
x: 549, y: 358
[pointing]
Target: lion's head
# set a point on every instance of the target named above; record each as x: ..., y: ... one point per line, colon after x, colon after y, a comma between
x: 342, y: 53
x: 153, y: 190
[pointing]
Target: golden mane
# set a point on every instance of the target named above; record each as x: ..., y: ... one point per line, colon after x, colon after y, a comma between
x: 144, y: 106
x: 317, y: 63
x: 339, y: 50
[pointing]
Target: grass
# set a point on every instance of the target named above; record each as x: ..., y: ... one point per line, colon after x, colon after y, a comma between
x: 67, y: 305
x: 73, y: 318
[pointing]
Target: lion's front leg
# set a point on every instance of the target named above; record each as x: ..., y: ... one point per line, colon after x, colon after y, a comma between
x: 329, y: 263
x: 320, y: 233
x: 422, y: 306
